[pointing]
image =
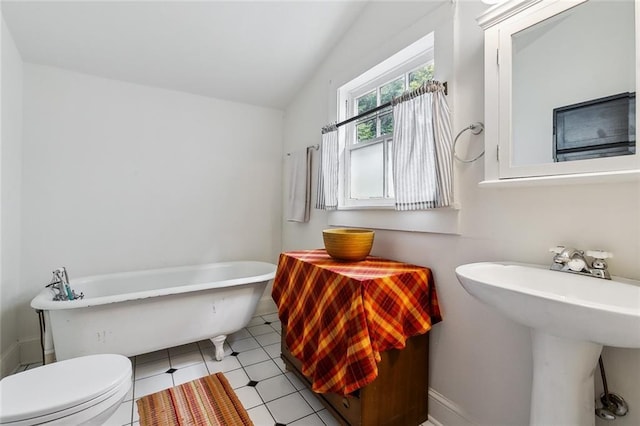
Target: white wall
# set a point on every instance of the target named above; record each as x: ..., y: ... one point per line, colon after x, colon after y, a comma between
x: 120, y: 177
x: 480, y: 371
x: 11, y: 164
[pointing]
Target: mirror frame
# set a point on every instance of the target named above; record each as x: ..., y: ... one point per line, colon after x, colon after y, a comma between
x: 499, y: 23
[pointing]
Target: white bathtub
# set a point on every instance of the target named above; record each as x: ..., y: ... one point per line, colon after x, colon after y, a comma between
x: 137, y: 312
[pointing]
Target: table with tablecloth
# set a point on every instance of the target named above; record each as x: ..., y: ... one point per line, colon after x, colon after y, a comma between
x: 339, y: 316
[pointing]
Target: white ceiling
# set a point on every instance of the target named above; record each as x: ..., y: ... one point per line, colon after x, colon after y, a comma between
x: 256, y: 52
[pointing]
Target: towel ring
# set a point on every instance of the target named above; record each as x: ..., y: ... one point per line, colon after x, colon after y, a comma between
x: 316, y: 147
x: 476, y: 129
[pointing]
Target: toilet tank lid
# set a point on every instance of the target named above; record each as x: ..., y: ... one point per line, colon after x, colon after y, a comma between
x: 61, y: 385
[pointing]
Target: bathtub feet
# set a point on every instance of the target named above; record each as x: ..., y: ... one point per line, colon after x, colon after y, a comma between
x: 218, y: 342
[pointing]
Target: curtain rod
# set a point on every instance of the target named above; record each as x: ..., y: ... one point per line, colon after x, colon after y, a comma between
x: 330, y: 127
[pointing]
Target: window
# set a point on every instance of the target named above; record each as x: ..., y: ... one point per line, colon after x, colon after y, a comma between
x: 366, y: 178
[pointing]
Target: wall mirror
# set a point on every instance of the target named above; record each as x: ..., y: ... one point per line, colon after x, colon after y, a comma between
x: 560, y: 86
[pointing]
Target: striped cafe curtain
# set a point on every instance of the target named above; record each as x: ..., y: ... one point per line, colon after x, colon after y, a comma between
x: 327, y: 190
x: 422, y: 154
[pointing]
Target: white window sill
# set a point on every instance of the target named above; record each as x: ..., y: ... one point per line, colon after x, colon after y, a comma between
x: 441, y: 221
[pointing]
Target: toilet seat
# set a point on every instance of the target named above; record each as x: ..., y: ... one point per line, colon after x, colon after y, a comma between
x: 79, y: 387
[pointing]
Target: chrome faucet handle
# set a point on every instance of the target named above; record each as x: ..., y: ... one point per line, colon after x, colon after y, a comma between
x: 599, y: 254
x: 599, y: 263
x: 557, y: 250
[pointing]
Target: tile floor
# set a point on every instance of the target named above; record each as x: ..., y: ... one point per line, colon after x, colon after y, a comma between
x: 252, y: 364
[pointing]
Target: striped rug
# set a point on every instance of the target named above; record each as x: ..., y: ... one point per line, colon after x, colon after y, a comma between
x: 206, y: 401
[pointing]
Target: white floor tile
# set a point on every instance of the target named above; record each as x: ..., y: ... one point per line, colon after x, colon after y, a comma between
x: 186, y: 359
x: 136, y: 415
x: 152, y: 356
x: 192, y: 372
x: 268, y: 338
x: 237, y: 378
x: 271, y: 317
x: 275, y: 387
x: 260, y: 416
x: 205, y: 344
x: 312, y: 420
x: 189, y: 347
x: 277, y: 326
x: 295, y: 381
x: 255, y: 321
x: 238, y: 335
x: 327, y: 418
x: 289, y: 408
x: 274, y: 350
x: 311, y: 399
x: 280, y: 363
x: 152, y: 384
x: 34, y: 365
x: 248, y: 396
x: 151, y: 368
x: 244, y: 344
x: 253, y: 356
x: 262, y: 370
x: 228, y: 363
x: 257, y: 330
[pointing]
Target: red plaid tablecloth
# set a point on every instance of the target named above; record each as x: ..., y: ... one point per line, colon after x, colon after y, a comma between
x: 340, y: 316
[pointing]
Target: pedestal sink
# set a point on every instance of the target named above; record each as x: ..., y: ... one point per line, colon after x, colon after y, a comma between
x: 572, y: 316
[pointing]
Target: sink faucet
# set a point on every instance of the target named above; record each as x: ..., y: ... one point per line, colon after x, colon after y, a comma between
x: 592, y: 263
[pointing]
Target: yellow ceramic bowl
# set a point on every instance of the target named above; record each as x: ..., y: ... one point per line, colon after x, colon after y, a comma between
x: 348, y: 243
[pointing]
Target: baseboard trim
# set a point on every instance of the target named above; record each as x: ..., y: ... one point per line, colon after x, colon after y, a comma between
x: 30, y: 350
x: 10, y: 360
x: 22, y: 352
x: 431, y: 421
x: 444, y: 412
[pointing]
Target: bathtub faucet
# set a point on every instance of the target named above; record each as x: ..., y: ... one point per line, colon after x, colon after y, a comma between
x: 60, y: 282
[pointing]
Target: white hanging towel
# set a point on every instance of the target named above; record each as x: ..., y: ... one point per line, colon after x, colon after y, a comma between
x: 299, y: 197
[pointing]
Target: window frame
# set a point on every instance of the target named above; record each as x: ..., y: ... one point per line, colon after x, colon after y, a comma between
x: 401, y: 64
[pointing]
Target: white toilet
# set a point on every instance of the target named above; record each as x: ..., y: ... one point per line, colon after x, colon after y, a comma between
x: 83, y: 390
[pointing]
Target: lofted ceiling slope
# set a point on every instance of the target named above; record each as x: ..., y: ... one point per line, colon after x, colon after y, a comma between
x: 254, y: 52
